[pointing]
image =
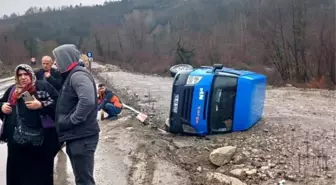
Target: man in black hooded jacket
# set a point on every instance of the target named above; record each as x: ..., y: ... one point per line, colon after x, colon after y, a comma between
x: 76, y: 113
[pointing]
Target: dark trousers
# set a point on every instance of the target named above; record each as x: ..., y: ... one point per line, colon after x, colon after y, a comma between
x: 81, y: 154
x: 29, y: 165
x: 111, y: 110
x: 52, y: 143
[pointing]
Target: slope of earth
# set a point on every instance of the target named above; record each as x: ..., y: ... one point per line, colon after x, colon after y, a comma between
x: 294, y: 141
x: 5, y: 71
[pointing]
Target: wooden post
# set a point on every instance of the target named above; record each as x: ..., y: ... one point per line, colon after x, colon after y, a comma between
x: 90, y: 64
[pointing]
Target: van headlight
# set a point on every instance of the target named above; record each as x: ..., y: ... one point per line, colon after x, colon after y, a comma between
x: 192, y: 80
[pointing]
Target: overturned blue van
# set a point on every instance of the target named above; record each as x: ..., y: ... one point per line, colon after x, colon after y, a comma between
x: 215, y: 99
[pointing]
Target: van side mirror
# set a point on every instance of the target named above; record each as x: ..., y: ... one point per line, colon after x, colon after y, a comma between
x: 217, y: 66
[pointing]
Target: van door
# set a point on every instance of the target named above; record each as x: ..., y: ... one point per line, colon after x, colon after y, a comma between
x: 222, y: 103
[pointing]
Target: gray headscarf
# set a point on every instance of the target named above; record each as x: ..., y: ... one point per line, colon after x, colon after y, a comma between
x: 26, y: 68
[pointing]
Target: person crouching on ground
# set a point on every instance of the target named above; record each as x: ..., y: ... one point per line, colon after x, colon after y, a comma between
x: 109, y: 102
x: 30, y: 155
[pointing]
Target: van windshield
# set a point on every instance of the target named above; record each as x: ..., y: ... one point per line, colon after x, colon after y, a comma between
x: 222, y: 103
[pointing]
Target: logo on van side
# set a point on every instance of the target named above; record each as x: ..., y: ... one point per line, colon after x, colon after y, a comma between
x: 201, y: 94
x: 198, y: 114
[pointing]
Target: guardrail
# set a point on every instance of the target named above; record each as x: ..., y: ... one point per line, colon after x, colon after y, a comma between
x: 4, y: 80
x: 5, y: 83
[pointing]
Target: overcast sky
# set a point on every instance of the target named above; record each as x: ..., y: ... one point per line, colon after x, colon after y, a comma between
x: 20, y: 6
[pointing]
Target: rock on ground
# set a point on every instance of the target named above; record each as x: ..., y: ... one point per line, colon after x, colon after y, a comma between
x: 239, y: 173
x: 223, y: 155
x: 221, y: 179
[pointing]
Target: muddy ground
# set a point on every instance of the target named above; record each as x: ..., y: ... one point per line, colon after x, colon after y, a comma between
x: 294, y: 141
x: 5, y: 71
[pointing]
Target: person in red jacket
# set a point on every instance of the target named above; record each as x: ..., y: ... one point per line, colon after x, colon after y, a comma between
x: 109, y: 102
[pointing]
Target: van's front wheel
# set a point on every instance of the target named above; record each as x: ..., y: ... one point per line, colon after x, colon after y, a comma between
x: 179, y: 68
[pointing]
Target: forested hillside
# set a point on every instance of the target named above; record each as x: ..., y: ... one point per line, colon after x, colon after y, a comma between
x: 292, y: 41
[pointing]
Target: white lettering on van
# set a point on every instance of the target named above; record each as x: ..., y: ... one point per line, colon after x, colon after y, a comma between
x: 201, y: 94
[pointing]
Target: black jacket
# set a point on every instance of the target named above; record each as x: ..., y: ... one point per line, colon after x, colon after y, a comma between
x: 45, y: 93
x: 55, y: 78
x: 76, y: 113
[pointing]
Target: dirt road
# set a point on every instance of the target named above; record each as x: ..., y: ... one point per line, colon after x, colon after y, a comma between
x: 294, y: 141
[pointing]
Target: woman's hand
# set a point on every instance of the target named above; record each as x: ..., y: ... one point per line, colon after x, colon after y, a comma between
x: 33, y: 105
x: 6, y: 108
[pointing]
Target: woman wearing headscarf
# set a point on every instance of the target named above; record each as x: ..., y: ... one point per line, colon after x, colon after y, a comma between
x: 28, y: 112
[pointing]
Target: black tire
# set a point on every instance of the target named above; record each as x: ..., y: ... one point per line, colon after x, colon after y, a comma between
x: 178, y: 68
x: 173, y: 129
